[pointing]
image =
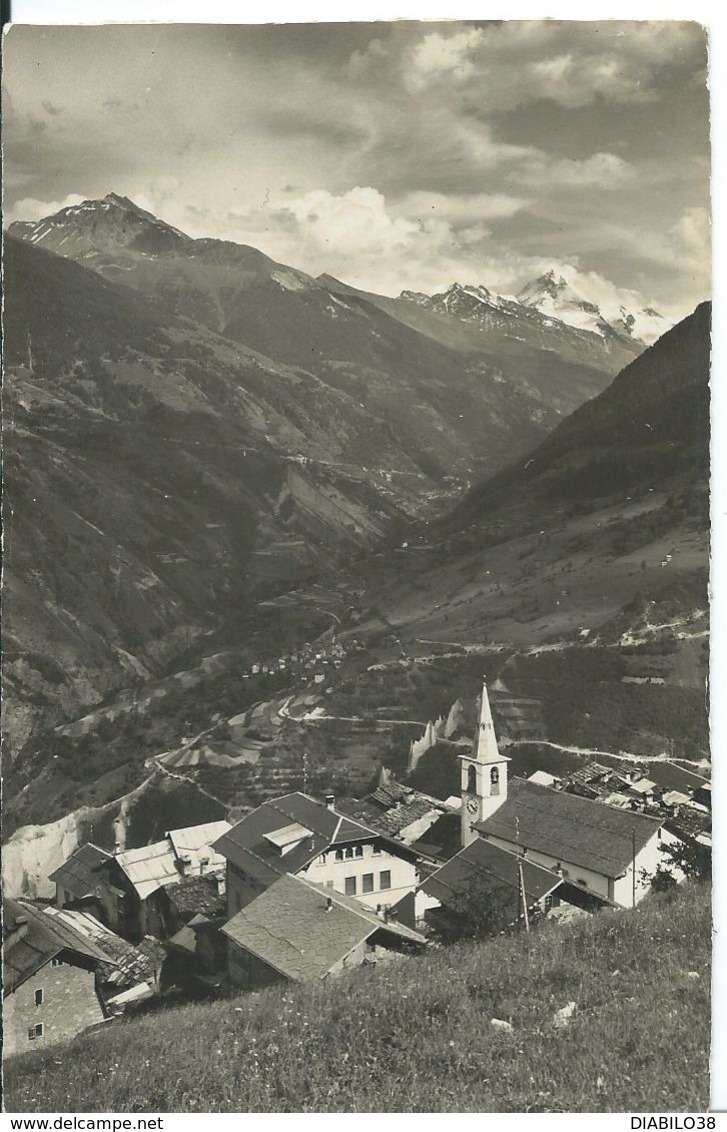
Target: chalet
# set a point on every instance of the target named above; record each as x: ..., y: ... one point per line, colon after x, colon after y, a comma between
x: 84, y: 882
x: 297, y: 835
x: 50, y: 979
x: 297, y: 931
x: 144, y: 871
x: 481, y: 870
x: 122, y: 888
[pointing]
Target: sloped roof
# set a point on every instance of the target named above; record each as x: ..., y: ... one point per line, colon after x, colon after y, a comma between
x: 643, y: 786
x: 391, y: 794
x: 399, y: 816
x: 543, y: 778
x: 689, y: 823
x: 127, y: 962
x: 675, y: 798
x: 675, y: 777
x: 589, y: 773
x: 482, y: 867
x: 442, y: 840
x: 569, y: 828
x: 246, y: 846
x: 84, y: 873
x: 302, y: 929
x: 29, y: 947
x: 193, y: 894
x: 195, y: 842
x: 149, y: 867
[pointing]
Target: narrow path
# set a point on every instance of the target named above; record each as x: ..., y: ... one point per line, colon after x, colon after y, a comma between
x: 627, y: 756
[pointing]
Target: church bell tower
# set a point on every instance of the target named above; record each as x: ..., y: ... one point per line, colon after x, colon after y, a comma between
x: 484, y: 773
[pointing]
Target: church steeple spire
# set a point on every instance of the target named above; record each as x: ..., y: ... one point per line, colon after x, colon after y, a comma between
x: 485, y: 749
x: 484, y: 772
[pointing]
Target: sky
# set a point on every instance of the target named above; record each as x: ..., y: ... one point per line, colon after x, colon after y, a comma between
x: 391, y: 155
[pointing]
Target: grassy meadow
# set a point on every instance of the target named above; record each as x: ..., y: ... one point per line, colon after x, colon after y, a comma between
x: 416, y: 1035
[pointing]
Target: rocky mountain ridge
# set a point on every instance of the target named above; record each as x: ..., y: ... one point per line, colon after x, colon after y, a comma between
x: 551, y: 311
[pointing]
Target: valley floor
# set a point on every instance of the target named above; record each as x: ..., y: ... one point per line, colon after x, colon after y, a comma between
x: 417, y: 1035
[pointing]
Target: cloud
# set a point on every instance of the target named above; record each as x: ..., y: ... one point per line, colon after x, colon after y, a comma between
x: 692, y: 234
x: 371, y: 243
x: 30, y: 208
x: 506, y: 65
x: 459, y: 207
x: 469, y: 151
x: 437, y: 56
x: 354, y: 222
x: 604, y: 170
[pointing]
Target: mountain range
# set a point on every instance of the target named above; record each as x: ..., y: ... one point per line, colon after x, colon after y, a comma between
x: 206, y: 425
x: 198, y: 437
x: 551, y: 313
x: 613, y: 504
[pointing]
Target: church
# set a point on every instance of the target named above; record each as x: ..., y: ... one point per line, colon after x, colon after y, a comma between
x: 609, y: 853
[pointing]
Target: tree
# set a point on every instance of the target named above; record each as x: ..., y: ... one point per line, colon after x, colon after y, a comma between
x: 661, y: 881
x: 691, y: 857
x: 478, y: 912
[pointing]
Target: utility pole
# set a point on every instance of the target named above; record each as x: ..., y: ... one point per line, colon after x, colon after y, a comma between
x: 525, y: 899
x: 521, y: 886
x: 305, y: 772
x: 633, y: 866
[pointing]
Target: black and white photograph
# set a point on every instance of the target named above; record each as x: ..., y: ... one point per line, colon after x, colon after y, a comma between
x: 356, y: 586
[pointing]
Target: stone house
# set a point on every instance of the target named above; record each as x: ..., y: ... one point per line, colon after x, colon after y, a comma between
x: 50, y: 980
x: 297, y: 931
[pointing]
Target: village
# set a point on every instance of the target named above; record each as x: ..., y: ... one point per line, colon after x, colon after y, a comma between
x: 302, y: 888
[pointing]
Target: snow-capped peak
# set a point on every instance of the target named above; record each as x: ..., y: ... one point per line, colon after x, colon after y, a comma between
x: 570, y: 298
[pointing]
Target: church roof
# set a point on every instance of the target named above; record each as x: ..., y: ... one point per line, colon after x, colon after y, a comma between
x: 484, y: 748
x: 569, y: 828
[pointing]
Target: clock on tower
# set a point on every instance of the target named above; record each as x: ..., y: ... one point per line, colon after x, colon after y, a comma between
x: 484, y: 773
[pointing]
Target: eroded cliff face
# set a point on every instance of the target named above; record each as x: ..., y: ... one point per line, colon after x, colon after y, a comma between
x: 161, y: 801
x: 35, y: 851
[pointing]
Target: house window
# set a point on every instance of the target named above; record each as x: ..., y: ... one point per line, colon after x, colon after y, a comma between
x: 548, y: 902
x: 56, y: 962
x: 471, y: 780
x: 580, y: 880
x: 339, y: 854
x: 350, y: 886
x: 495, y: 780
x: 368, y: 882
x: 349, y: 854
x: 35, y: 1032
x: 377, y: 850
x: 39, y: 998
x: 385, y: 879
x: 359, y: 850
